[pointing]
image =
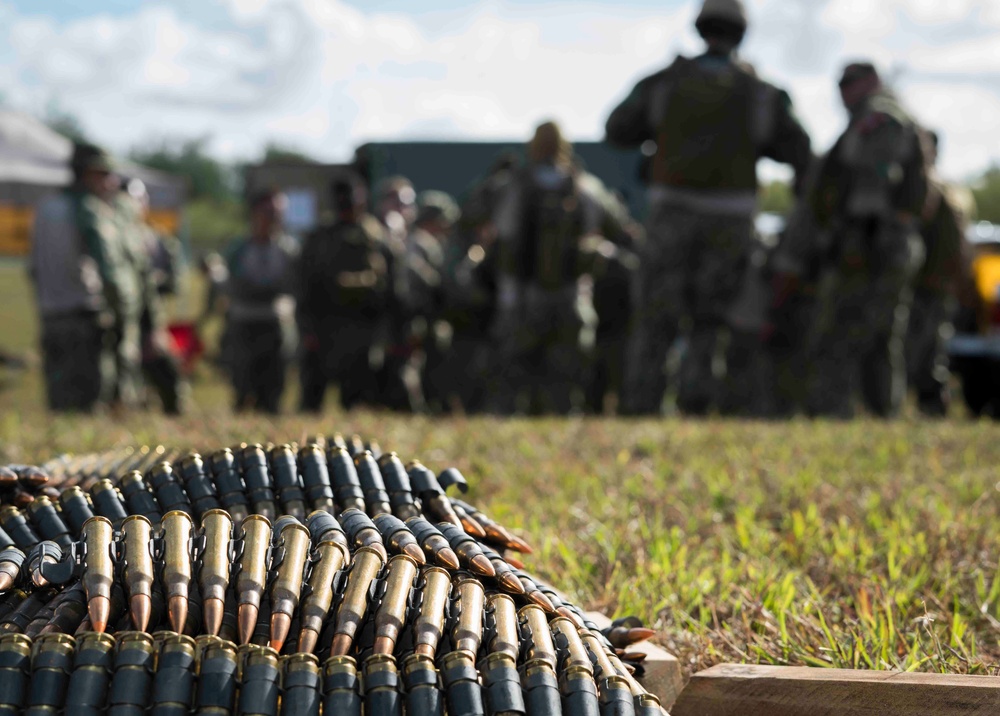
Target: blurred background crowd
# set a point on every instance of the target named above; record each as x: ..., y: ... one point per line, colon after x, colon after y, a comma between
x: 535, y: 288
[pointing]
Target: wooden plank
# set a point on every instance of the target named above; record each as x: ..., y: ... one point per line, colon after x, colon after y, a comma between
x: 662, y: 676
x: 746, y: 690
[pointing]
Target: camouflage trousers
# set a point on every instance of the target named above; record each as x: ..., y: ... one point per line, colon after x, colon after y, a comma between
x: 692, y: 268
x: 863, y: 313
x: 78, y: 361
x: 257, y: 364
x: 926, y: 350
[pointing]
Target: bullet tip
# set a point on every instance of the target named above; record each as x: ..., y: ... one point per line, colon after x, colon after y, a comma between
x: 414, y: 551
x: 511, y: 583
x: 637, y: 634
x: 473, y: 528
x: 177, y: 609
x: 99, y: 610
x: 542, y: 601
x: 447, y: 558
x: 307, y: 640
x: 247, y: 619
x: 481, y: 565
x: 519, y: 545
x: 140, y: 607
x: 280, y: 626
x: 7, y: 581
x: 213, y: 610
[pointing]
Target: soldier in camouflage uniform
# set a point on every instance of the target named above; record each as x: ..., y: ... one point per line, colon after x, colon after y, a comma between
x: 545, y: 319
x: 74, y: 237
x: 946, y: 268
x: 711, y: 119
x: 344, y: 289
x: 261, y: 305
x: 869, y: 194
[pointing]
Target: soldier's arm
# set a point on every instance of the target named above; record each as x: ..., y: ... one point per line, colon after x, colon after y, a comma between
x: 95, y: 245
x: 789, y: 142
x: 629, y: 125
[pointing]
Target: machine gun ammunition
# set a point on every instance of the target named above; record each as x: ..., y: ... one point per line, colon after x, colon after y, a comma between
x: 15, y: 666
x: 347, y: 490
x: 502, y: 685
x: 217, y: 675
x: 291, y: 549
x: 541, y: 689
x: 300, y: 685
x: 391, y: 615
x: 367, y: 563
x: 420, y: 682
x: 213, y: 576
x: 252, y: 578
x: 108, y: 502
x: 287, y: 485
x: 197, y: 484
x: 98, y: 570
x: 397, y: 484
x: 11, y: 561
x: 132, y: 680
x: 229, y: 483
x: 88, y: 685
x: 380, y: 680
x: 464, y: 695
x: 469, y: 552
x: 434, y: 544
x: 316, y: 478
x: 467, y: 634
x: 16, y: 526
x: 495, y: 532
x: 427, y: 487
x: 51, y: 665
x: 140, y: 499
x: 49, y: 523
x: 398, y: 537
x: 168, y: 490
x: 258, y: 481
x: 340, y: 687
x: 259, y: 681
x: 361, y: 531
x: 75, y: 509
x: 174, y: 681
x: 372, y: 484
x: 329, y: 557
x: 428, y: 627
x: 178, y: 529
x: 137, y: 538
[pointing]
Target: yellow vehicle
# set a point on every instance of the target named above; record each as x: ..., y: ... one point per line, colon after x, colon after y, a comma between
x: 974, y: 350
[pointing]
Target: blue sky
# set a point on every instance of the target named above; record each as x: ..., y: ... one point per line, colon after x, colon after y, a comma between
x: 325, y: 75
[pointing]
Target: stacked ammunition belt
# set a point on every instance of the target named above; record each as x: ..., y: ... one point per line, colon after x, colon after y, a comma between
x: 327, y: 577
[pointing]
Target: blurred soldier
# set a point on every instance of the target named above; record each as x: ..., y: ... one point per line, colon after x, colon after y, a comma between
x: 395, y: 208
x: 75, y: 240
x: 545, y: 317
x: 160, y: 257
x: 261, y: 305
x: 344, y: 289
x: 870, y: 192
x: 711, y: 119
x: 425, y: 258
x: 943, y: 225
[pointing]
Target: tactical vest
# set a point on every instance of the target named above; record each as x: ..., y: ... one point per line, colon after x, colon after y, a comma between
x: 705, y: 138
x: 550, y: 235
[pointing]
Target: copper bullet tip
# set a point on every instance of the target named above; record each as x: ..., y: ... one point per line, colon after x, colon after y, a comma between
x: 246, y: 616
x: 541, y: 600
x: 213, y: 610
x: 281, y: 624
x: 518, y: 545
x: 341, y: 644
x: 414, y: 551
x: 447, y: 558
x: 482, y: 566
x: 177, y: 610
x: 637, y: 634
x: 473, y: 528
x: 513, y: 561
x: 140, y: 607
x: 511, y: 583
x: 99, y: 610
x: 307, y: 640
x: 7, y: 580
x: 495, y: 533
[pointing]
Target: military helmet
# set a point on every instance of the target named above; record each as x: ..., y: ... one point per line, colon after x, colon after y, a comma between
x: 90, y: 157
x: 729, y: 11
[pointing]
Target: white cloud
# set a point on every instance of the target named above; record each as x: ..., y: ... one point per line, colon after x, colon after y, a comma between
x: 324, y: 76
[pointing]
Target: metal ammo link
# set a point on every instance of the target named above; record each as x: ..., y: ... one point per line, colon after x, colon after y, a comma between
x: 88, y: 686
x: 50, y: 524
x: 17, y: 621
x: 421, y: 685
x: 51, y: 664
x: 287, y: 484
x: 258, y: 481
x: 139, y: 498
x: 380, y: 683
x: 316, y: 478
x: 173, y: 682
x: 15, y: 665
x: 344, y: 478
x: 109, y: 502
x: 217, y: 676
x: 502, y: 685
x: 340, y: 687
x: 132, y: 680
x: 16, y: 526
x: 300, y: 685
x: 397, y: 483
x: 541, y: 688
x: 372, y: 484
x: 259, y: 674
x: 229, y: 483
x: 169, y: 492
x: 75, y: 508
x: 461, y: 681
x: 197, y: 484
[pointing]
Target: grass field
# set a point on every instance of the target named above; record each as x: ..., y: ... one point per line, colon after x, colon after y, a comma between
x: 864, y: 545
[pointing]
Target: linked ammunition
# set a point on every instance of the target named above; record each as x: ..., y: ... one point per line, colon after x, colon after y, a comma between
x: 88, y: 686
x: 173, y: 683
x: 138, y: 569
x: 341, y: 695
x: 316, y: 478
x: 197, y: 484
x: 11, y: 561
x: 98, y: 570
x: 75, y: 508
x: 502, y: 685
x: 169, y: 493
x: 258, y: 481
x: 503, y: 626
x: 291, y: 544
x: 259, y: 681
x: 213, y: 576
x: 109, y: 502
x: 391, y: 615
x: 48, y: 522
x: 361, y: 531
x: 534, y: 594
x: 372, y: 484
x: 420, y: 683
x: 347, y: 490
x: 252, y: 578
x: 140, y: 499
x: 367, y: 564
x: 178, y: 529
x: 300, y: 685
x: 461, y: 681
x: 218, y: 668
x: 16, y: 526
x: 287, y: 484
x: 329, y: 557
x: 397, y: 484
x: 435, y: 502
x: 467, y: 634
x: 428, y: 627
x: 132, y: 680
x: 380, y: 679
x: 356, y: 446
x: 398, y: 537
x: 229, y: 483
x: 17, y: 621
x: 494, y: 531
x: 541, y: 689
x: 323, y: 527
x: 469, y: 552
x: 434, y: 544
x: 69, y: 613
x: 536, y: 626
x: 505, y: 574
x: 579, y: 692
x: 470, y: 525
x: 15, y: 667
x: 51, y: 666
